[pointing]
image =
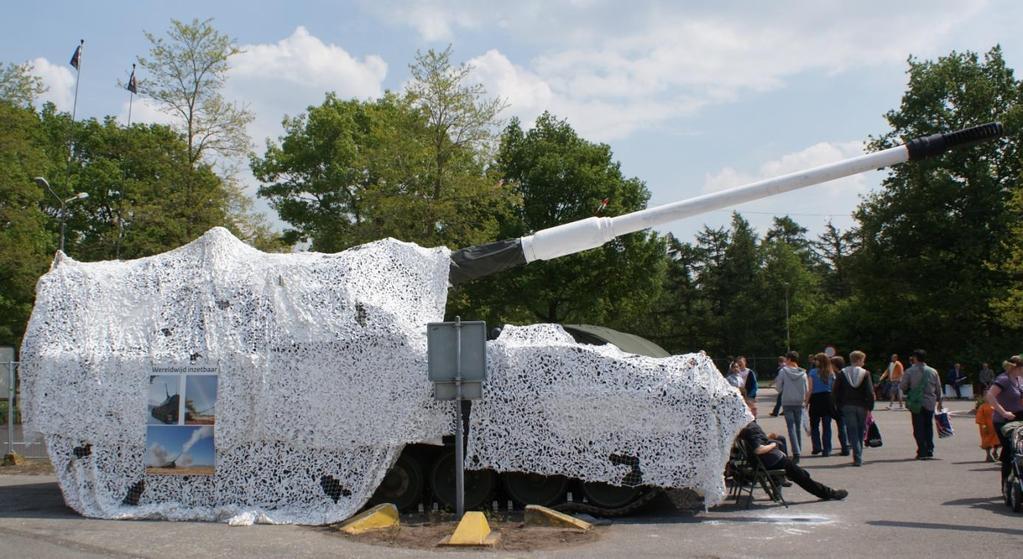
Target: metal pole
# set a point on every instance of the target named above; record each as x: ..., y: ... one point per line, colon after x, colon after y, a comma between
x: 459, y: 459
x: 10, y: 408
x: 63, y: 218
x: 788, y: 344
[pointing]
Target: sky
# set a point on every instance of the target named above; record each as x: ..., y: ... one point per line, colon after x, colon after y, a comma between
x: 692, y: 97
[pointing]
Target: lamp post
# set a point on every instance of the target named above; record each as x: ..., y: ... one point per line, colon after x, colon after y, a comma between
x: 63, y: 204
x: 788, y: 344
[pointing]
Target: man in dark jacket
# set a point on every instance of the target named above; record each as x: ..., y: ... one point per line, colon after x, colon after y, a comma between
x: 771, y: 453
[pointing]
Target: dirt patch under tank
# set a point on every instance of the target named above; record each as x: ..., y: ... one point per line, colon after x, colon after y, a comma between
x: 425, y: 531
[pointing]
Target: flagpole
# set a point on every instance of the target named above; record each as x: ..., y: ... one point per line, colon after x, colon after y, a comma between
x: 131, y: 91
x: 76, y: 61
x: 78, y: 78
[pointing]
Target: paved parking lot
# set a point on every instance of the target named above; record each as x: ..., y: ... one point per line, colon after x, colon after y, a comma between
x: 896, y: 506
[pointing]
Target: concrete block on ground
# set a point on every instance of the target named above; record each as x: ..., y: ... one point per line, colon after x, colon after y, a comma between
x: 380, y: 517
x: 472, y: 530
x: 543, y: 516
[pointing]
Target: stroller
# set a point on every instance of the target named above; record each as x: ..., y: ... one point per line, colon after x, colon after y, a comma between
x: 1012, y: 488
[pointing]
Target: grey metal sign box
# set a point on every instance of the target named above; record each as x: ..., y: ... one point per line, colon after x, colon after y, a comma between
x: 443, y: 361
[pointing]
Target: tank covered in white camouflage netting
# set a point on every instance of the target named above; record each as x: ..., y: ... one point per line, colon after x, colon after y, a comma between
x: 216, y: 381
x: 552, y: 406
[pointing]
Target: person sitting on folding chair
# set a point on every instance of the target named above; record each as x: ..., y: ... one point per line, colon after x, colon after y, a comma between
x: 772, y: 455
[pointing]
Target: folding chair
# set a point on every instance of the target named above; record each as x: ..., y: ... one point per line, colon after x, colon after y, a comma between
x: 747, y: 472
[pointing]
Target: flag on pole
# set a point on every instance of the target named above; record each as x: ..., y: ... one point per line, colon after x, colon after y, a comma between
x: 76, y: 58
x: 602, y: 206
x: 132, y: 84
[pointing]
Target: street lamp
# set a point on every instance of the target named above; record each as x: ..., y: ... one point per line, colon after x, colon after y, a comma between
x: 788, y: 345
x: 63, y: 204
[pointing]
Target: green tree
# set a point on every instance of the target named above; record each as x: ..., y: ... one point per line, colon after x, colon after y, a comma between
x: 929, y: 235
x: 348, y: 172
x: 185, y: 73
x: 25, y: 243
x: 18, y: 85
x: 679, y: 320
x: 833, y: 250
x: 1008, y: 307
x: 133, y: 175
x: 561, y: 178
x: 786, y: 230
x: 460, y: 118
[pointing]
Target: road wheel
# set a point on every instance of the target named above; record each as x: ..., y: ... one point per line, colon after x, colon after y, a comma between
x: 534, y: 489
x: 479, y: 484
x: 1016, y: 497
x: 402, y: 485
x: 610, y: 496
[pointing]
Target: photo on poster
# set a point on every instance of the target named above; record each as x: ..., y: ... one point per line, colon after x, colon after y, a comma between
x: 180, y: 450
x: 200, y: 399
x: 164, y: 402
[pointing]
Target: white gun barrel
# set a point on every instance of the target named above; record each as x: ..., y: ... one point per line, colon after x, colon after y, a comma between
x: 593, y: 232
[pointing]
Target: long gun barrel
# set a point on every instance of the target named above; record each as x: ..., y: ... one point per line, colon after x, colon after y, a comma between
x: 482, y: 260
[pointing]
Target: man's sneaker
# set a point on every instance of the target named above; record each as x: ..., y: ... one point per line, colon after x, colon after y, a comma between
x: 839, y: 494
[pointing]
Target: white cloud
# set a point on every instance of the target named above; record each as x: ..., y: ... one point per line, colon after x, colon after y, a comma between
x: 144, y: 111
x: 818, y: 154
x: 59, y: 81
x: 274, y: 79
x: 813, y: 206
x: 528, y: 94
x: 434, y: 20
x: 623, y: 70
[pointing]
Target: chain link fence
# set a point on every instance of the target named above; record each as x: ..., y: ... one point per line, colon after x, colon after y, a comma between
x: 13, y: 439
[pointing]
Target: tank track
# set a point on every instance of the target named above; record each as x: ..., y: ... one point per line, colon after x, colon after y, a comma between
x: 649, y: 494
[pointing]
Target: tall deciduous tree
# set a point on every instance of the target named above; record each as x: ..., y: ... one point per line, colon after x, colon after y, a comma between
x: 18, y: 85
x: 185, y: 72
x: 931, y: 232
x: 460, y: 117
x: 413, y: 166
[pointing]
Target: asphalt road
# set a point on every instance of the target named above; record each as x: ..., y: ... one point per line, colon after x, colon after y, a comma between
x: 896, y: 507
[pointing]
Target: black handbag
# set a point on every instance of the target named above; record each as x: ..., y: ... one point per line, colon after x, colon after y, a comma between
x: 874, y: 436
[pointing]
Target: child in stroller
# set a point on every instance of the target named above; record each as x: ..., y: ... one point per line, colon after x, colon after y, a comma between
x: 1012, y: 488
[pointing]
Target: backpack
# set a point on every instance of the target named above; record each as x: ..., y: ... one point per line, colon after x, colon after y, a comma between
x: 915, y: 396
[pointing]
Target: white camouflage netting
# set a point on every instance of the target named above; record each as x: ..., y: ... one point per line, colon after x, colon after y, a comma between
x: 552, y: 406
x: 321, y: 367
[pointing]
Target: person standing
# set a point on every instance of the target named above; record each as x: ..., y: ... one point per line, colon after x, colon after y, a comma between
x: 894, y: 376
x: 732, y: 376
x: 1006, y: 396
x: 777, y: 401
x: 748, y: 376
x: 986, y: 377
x: 822, y: 409
x: 794, y: 387
x: 854, y: 397
x: 989, y: 440
x: 837, y: 364
x: 956, y: 377
x: 923, y: 393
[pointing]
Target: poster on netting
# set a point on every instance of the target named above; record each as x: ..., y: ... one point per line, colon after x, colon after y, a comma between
x: 180, y: 421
